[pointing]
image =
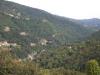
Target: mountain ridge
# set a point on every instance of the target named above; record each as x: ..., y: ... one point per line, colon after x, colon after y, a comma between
x: 93, y: 23
x: 29, y: 26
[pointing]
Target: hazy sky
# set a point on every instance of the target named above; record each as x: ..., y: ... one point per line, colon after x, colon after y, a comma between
x: 78, y: 9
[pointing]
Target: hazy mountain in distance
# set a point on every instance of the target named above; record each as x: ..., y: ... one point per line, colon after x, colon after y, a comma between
x: 93, y: 23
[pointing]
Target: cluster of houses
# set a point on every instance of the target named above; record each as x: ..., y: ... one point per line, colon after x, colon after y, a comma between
x: 7, y: 29
x: 43, y: 42
x: 16, y: 15
x: 5, y: 43
x: 23, y: 33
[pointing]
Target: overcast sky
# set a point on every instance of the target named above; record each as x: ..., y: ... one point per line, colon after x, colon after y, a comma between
x: 78, y: 9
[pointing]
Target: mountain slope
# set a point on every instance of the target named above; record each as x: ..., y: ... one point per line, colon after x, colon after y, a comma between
x: 27, y: 27
x: 93, y: 23
x: 95, y: 36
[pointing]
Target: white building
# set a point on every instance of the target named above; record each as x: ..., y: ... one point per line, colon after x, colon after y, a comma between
x: 7, y: 29
x: 43, y: 42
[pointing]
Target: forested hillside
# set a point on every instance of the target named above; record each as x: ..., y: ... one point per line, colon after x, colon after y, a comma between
x: 35, y: 42
x: 93, y: 23
x: 95, y: 36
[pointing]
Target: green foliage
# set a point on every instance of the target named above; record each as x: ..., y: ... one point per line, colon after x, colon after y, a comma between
x: 10, y: 65
x: 93, y: 68
x: 59, y: 71
x: 95, y: 36
x: 72, y: 56
x: 45, y: 72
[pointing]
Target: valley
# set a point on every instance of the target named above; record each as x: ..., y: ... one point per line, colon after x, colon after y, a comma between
x: 36, y: 42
